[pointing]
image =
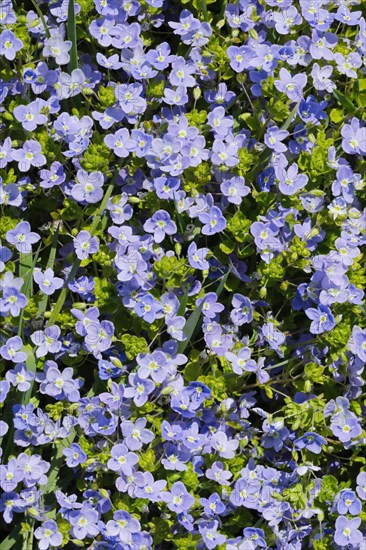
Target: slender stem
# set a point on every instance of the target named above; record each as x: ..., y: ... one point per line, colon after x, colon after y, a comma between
x: 204, y: 10
x: 41, y: 16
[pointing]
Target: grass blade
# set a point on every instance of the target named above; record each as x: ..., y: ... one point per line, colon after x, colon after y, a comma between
x: 26, y: 272
x: 57, y: 462
x: 223, y: 281
x: 75, y: 266
x: 204, y: 10
x: 24, y: 400
x: 290, y: 117
x: 266, y: 153
x: 41, y: 16
x: 71, y: 35
x: 62, y: 297
x: 189, y: 327
x: 51, y: 262
x: 193, y: 319
x: 183, y: 303
x: 31, y: 367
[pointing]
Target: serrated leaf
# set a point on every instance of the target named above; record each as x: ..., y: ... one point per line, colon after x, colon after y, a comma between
x: 329, y: 488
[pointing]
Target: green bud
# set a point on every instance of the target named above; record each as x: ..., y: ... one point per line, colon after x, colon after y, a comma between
x: 116, y: 362
x: 253, y: 34
x: 104, y: 493
x: 87, y: 91
x: 166, y: 390
x: 263, y: 292
x: 178, y: 249
x: 197, y: 93
x: 79, y: 305
x: 33, y: 512
x: 107, y: 96
x: 8, y: 116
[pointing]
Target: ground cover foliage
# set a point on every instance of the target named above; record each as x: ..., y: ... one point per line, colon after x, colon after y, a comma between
x: 183, y: 335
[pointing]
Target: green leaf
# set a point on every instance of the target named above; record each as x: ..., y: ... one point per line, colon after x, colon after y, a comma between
x: 336, y: 115
x: 359, y: 92
x: 134, y: 345
x: 11, y: 539
x: 330, y: 488
x: 239, y: 226
x: 296, y: 495
x: 326, y: 543
x: 315, y: 373
x: 62, y: 297
x: 344, y: 101
x: 227, y: 246
x: 192, y: 371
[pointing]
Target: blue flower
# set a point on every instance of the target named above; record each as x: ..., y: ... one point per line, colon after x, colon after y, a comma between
x: 322, y: 319
x: 75, y: 455
x: 311, y: 441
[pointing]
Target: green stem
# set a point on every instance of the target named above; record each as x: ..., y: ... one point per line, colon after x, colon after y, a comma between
x: 204, y: 10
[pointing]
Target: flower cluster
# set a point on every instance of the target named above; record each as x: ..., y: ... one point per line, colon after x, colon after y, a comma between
x: 182, y: 275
